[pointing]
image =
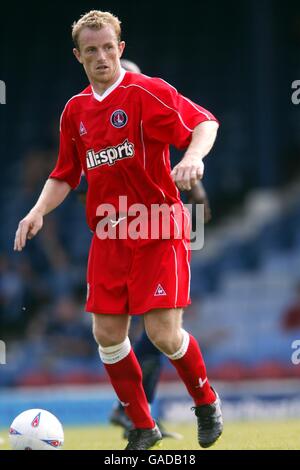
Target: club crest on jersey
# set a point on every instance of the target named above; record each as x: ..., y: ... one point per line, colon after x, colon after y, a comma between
x: 119, y: 118
x: 36, y: 421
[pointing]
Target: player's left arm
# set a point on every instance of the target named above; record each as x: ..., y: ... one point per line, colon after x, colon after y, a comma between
x: 191, y: 168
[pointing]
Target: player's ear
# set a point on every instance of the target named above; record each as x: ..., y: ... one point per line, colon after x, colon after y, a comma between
x: 76, y: 53
x: 121, y: 48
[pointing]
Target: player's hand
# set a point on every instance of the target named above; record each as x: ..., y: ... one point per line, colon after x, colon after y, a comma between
x: 186, y: 174
x: 27, y: 229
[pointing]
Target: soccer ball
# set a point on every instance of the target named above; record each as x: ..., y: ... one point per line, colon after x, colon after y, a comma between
x: 36, y: 430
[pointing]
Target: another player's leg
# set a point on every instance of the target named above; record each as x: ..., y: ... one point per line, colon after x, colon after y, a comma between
x: 111, y: 334
x: 164, y: 329
x: 118, y: 417
x: 150, y: 359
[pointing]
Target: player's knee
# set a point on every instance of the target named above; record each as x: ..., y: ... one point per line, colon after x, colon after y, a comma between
x: 108, y: 337
x: 164, y: 341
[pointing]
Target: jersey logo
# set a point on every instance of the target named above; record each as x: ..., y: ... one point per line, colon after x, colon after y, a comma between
x: 119, y: 118
x: 159, y: 291
x: 110, y: 155
x: 82, y: 129
x: 114, y: 223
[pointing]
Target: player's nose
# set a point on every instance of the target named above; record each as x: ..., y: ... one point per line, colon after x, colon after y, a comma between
x: 100, y: 56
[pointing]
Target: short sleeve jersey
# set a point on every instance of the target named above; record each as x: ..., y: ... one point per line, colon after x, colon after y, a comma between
x: 120, y: 140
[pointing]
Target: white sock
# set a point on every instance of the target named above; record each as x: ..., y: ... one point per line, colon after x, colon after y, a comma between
x: 183, y: 348
x: 113, y: 354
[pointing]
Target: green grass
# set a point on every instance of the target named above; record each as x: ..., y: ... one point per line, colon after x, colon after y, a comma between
x: 258, y: 435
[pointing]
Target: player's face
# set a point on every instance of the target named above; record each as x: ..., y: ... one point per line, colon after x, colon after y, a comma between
x: 99, y: 53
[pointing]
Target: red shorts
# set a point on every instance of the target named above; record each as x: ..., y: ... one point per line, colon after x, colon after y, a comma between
x: 135, y: 276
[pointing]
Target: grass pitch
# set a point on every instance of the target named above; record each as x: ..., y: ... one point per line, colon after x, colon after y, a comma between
x: 258, y: 435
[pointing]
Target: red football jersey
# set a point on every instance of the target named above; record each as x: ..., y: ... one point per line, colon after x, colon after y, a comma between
x: 120, y: 140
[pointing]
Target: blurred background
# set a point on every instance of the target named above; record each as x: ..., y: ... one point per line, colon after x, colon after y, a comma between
x: 238, y: 59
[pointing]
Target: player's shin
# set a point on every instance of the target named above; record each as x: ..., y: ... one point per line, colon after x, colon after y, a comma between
x: 190, y: 366
x: 126, y: 378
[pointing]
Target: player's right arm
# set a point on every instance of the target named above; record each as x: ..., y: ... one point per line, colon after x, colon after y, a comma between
x: 64, y: 177
x: 52, y: 195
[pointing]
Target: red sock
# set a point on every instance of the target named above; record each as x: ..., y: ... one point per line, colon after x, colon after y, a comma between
x: 191, y: 369
x: 126, y: 378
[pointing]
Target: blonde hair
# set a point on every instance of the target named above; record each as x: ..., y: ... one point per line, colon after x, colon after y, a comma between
x: 95, y: 19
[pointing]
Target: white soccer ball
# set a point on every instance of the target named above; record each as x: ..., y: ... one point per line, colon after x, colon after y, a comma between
x: 36, y: 430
